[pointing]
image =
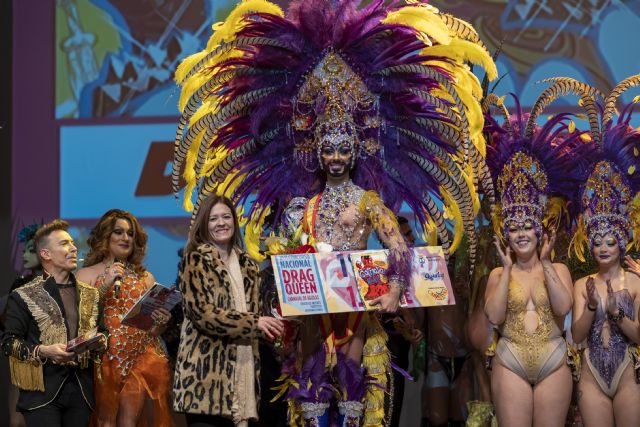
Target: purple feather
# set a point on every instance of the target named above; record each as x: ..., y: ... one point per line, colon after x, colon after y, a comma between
x: 351, y: 378
x: 314, y: 373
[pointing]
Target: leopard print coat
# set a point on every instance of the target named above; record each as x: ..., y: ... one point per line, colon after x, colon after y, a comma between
x: 206, y: 361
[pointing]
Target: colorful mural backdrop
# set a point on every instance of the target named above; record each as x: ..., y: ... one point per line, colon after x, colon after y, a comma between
x: 115, y: 100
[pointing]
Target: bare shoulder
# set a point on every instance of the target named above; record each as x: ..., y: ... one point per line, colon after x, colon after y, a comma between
x: 149, y: 279
x: 633, y: 281
x: 581, y: 282
x: 494, y: 275
x: 89, y: 274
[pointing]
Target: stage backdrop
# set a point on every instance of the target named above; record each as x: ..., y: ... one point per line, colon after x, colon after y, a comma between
x: 95, y: 103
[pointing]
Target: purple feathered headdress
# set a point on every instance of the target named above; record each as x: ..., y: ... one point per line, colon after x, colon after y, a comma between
x: 389, y: 79
x: 537, y: 169
x: 607, y: 196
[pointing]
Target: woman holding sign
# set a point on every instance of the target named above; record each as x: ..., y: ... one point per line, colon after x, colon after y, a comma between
x: 217, y: 372
x: 135, y: 368
x: 529, y: 296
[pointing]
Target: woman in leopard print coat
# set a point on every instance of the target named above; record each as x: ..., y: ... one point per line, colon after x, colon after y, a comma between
x: 217, y: 370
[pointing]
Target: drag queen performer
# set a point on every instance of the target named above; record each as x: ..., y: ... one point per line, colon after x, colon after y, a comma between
x: 135, y: 368
x: 528, y: 297
x: 605, y: 310
x: 358, y: 109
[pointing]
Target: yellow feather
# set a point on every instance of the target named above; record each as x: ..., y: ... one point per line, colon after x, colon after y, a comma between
x: 252, y: 233
x: 497, y: 220
x: 423, y: 20
x: 452, y: 212
x: 579, y: 241
x: 468, y: 177
x: 226, y: 31
x: 473, y: 109
x: 189, y: 173
x: 430, y: 233
x: 463, y: 51
x: 465, y: 83
x: 480, y: 143
x: 187, y: 64
x: 556, y: 210
x: 189, y: 87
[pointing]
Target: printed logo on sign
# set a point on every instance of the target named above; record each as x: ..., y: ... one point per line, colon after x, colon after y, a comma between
x: 374, y: 276
x: 438, y: 294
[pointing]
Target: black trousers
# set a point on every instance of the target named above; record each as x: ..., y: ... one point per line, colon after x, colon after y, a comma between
x: 68, y: 409
x: 399, y: 349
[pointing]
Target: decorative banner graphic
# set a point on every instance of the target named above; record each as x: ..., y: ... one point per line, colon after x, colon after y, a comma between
x: 128, y: 166
x: 116, y: 58
x: 338, y: 282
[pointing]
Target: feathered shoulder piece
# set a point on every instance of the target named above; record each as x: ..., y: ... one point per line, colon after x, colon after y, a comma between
x: 536, y: 169
x: 609, y: 197
x: 390, y: 79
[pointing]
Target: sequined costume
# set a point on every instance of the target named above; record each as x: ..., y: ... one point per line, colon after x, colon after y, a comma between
x: 608, y: 360
x: 344, y: 216
x: 609, y: 204
x: 135, y: 367
x: 537, y: 170
x: 535, y: 354
x: 388, y: 83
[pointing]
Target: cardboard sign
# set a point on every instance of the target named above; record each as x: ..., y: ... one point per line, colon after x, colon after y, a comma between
x: 338, y: 282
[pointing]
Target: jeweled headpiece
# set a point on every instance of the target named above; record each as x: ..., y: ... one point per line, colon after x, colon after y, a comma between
x: 536, y: 168
x: 609, y: 200
x: 328, y: 103
x: 389, y: 79
x: 523, y: 190
x: 605, y: 200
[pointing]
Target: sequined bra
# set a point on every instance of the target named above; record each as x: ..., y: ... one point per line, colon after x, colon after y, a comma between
x: 607, y: 360
x: 125, y: 342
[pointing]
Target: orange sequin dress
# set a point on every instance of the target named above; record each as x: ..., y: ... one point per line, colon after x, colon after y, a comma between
x: 135, y: 368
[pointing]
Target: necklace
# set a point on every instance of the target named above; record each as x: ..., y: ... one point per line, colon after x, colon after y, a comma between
x: 334, y: 201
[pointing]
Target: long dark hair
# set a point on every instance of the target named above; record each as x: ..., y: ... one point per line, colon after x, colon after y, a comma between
x: 199, y: 232
x: 99, y: 239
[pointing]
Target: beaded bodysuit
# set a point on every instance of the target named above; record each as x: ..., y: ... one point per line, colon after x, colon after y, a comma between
x: 607, y: 360
x: 126, y: 343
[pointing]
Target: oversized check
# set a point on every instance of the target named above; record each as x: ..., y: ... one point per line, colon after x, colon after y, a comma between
x: 338, y: 282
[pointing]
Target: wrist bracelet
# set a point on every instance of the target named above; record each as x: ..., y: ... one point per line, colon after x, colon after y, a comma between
x: 397, y: 281
x: 591, y: 309
x: 621, y: 315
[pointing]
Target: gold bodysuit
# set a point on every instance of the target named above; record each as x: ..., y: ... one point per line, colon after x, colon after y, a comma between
x: 531, y: 355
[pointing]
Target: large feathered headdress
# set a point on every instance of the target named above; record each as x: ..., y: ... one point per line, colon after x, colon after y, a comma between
x: 537, y: 169
x: 389, y: 79
x: 609, y: 198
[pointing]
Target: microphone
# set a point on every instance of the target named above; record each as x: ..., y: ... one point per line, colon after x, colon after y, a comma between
x: 116, y: 284
x: 116, y: 287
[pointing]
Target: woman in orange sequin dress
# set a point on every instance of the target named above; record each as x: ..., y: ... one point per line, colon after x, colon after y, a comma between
x: 135, y: 369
